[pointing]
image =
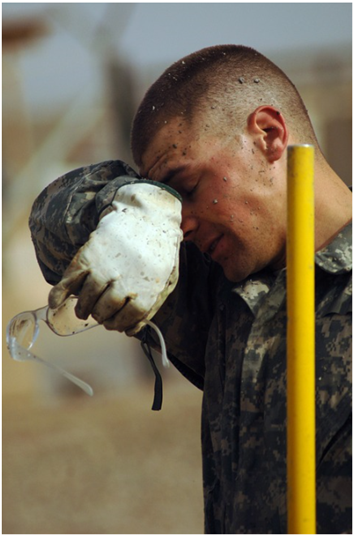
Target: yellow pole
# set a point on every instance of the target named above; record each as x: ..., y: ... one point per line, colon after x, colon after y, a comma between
x: 301, y: 342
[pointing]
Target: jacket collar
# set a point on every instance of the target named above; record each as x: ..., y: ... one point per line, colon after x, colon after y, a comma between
x: 335, y: 258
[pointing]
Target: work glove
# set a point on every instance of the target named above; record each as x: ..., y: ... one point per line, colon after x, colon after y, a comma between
x: 129, y: 265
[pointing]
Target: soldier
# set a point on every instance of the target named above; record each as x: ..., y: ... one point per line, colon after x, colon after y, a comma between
x: 210, y: 140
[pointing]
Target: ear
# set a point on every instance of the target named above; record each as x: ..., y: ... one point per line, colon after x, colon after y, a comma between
x: 267, y: 125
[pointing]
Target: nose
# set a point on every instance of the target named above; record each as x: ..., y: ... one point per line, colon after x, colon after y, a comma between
x: 189, y: 224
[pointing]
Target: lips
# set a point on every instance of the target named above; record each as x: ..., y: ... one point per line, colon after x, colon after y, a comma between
x: 212, y: 245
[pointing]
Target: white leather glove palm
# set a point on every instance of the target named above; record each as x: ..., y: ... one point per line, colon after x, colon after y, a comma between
x: 129, y: 265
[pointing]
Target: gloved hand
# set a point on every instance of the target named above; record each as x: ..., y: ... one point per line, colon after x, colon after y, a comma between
x: 129, y: 265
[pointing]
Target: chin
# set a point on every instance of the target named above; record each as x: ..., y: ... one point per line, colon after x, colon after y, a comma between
x: 235, y: 278
x: 235, y: 275
x: 237, y: 271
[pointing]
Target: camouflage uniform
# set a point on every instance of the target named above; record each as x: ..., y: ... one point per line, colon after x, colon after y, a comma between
x: 230, y: 340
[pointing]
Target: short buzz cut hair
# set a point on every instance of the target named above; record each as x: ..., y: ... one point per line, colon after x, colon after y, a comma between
x: 222, y: 84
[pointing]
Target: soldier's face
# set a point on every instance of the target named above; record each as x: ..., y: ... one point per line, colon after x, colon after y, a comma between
x: 234, y: 200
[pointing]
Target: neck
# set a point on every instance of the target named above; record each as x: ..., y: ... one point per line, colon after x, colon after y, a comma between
x: 333, y: 205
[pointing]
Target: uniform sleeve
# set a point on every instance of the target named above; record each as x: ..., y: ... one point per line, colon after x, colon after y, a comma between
x: 61, y: 220
x: 68, y: 210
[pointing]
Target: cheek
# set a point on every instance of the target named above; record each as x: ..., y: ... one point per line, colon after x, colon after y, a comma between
x: 231, y: 213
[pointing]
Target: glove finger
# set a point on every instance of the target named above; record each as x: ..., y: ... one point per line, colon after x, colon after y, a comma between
x: 68, y: 285
x: 110, y: 303
x: 90, y: 293
x: 127, y: 318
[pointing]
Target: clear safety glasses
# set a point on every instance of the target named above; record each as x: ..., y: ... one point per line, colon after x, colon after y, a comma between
x: 23, y: 329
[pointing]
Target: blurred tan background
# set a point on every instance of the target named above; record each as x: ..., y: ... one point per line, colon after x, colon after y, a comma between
x: 73, y: 75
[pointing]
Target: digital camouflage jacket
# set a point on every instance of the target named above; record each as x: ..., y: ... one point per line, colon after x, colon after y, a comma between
x: 230, y: 341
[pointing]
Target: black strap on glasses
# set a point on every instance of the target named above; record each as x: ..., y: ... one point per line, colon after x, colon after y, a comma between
x: 158, y: 389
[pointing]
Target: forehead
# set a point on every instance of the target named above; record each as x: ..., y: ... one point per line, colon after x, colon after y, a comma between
x: 172, y: 144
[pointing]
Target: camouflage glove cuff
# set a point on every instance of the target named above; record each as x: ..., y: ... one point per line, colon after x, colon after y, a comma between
x: 129, y: 265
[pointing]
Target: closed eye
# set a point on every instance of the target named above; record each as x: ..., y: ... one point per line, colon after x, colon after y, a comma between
x: 186, y: 187
x: 190, y: 192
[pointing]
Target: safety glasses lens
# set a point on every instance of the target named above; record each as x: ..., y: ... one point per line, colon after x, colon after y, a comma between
x: 63, y: 320
x: 23, y: 329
